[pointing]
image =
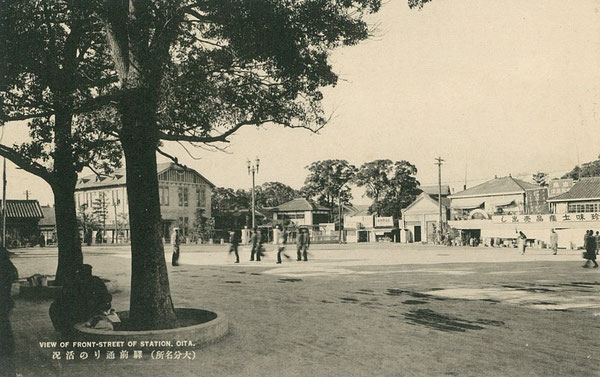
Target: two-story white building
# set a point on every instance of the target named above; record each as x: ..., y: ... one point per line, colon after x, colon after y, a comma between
x: 182, y: 192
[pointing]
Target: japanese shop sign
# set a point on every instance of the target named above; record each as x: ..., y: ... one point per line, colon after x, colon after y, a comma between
x: 551, y: 218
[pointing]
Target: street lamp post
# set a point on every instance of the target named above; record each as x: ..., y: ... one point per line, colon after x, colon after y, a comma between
x: 253, y: 169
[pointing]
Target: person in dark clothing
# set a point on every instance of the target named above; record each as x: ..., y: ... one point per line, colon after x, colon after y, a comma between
x: 257, y: 242
x: 302, y: 243
x: 590, y: 249
x: 8, y: 275
x: 253, y: 244
x: 176, y: 241
x: 234, y: 240
x: 81, y: 299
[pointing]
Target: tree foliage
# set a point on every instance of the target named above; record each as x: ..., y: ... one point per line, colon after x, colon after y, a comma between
x: 540, y: 179
x: 272, y: 194
x: 226, y: 199
x: 100, y: 210
x: 391, y: 185
x: 54, y: 72
x: 327, y: 182
x: 588, y: 169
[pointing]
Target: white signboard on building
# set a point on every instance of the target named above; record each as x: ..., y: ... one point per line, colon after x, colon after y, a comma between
x: 551, y: 218
x: 384, y: 222
x: 358, y: 222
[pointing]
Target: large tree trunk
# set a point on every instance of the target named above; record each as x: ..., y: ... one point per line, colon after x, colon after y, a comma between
x: 140, y: 74
x: 67, y: 231
x: 63, y: 186
x: 151, y: 306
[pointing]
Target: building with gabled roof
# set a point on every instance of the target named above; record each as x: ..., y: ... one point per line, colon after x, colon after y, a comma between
x: 22, y: 217
x: 496, y: 208
x: 505, y: 195
x: 583, y: 196
x: 301, y: 212
x: 434, y: 190
x: 47, y: 224
x: 182, y: 191
x: 420, y: 219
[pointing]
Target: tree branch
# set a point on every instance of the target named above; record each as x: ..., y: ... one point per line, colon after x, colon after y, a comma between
x: 172, y: 158
x: 29, y: 166
x: 14, y: 118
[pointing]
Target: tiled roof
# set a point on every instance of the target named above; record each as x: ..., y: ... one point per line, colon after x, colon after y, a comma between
x: 434, y: 189
x: 118, y: 177
x: 586, y: 188
x: 497, y: 186
x: 300, y: 204
x: 49, y: 216
x: 23, y: 209
x: 358, y: 210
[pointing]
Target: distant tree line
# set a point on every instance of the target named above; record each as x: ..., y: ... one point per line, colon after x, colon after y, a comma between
x: 587, y: 169
x: 391, y: 185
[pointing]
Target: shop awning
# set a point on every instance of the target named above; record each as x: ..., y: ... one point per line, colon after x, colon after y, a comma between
x: 381, y: 232
x: 500, y: 202
x: 467, y: 203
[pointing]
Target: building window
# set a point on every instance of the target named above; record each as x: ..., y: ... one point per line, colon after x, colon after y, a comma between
x: 200, y: 197
x: 183, y: 223
x: 115, y: 198
x: 183, y: 193
x: 583, y: 207
x: 164, y: 196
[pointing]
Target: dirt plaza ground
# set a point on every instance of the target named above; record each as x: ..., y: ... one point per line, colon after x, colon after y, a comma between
x: 354, y: 310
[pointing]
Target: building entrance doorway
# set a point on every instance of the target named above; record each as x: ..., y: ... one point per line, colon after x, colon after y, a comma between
x: 417, y: 233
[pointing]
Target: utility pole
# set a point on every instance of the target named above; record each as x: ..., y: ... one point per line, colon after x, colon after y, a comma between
x: 439, y: 164
x: 253, y: 169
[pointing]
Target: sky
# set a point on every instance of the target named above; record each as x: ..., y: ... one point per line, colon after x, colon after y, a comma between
x: 494, y: 88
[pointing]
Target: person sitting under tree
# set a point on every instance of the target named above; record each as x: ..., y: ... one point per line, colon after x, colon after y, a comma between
x: 80, y: 299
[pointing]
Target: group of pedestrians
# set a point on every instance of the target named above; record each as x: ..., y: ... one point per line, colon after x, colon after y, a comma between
x: 280, y: 238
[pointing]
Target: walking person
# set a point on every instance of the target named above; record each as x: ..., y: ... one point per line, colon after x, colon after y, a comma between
x: 554, y: 241
x: 302, y: 244
x: 257, y: 245
x: 597, y: 242
x: 590, y: 249
x: 299, y: 242
x: 175, y: 241
x: 253, y: 244
x: 280, y: 242
x: 8, y: 275
x: 522, y: 242
x: 234, y: 240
